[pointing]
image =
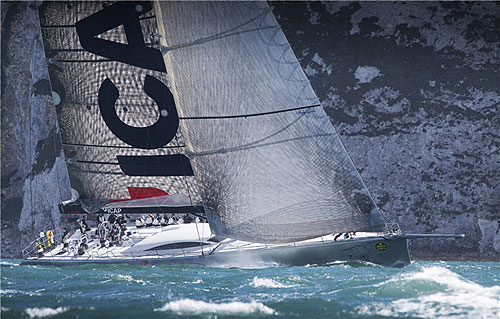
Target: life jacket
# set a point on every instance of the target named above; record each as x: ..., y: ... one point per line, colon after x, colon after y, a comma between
x: 50, y: 238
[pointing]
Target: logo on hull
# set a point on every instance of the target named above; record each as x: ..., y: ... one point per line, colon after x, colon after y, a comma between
x: 380, y: 246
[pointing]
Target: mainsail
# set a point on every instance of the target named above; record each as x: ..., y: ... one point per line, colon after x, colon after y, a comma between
x: 270, y: 165
x: 118, y: 119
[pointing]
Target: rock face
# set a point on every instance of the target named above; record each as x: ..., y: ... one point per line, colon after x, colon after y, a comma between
x: 34, y: 174
x: 413, y: 89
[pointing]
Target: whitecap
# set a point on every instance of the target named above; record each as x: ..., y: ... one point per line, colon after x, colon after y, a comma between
x: 44, y: 312
x: 8, y: 263
x: 131, y: 279
x: 4, y: 308
x: 197, y: 281
x: 266, y: 283
x: 194, y: 307
x: 8, y: 291
x: 459, y: 298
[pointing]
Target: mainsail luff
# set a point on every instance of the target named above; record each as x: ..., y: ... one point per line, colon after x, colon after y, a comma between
x: 278, y: 177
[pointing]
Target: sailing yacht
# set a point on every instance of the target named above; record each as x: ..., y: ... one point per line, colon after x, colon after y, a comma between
x: 205, y: 100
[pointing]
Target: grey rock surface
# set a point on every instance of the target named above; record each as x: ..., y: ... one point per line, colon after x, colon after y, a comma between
x: 413, y: 89
x: 34, y: 174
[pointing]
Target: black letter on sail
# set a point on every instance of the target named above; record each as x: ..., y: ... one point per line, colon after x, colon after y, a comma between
x: 135, y: 52
x: 150, y: 137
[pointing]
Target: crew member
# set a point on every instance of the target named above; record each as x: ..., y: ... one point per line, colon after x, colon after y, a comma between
x: 187, y: 219
x: 65, y: 238
x: 123, y: 221
x: 156, y: 220
x: 164, y: 220
x: 112, y: 218
x: 100, y: 218
x: 149, y: 220
x: 139, y: 222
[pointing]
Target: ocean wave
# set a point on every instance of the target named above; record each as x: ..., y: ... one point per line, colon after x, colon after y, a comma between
x: 442, y: 294
x: 44, y: 312
x: 8, y: 291
x: 8, y: 263
x: 194, y: 307
x: 266, y: 283
x: 197, y: 281
x: 129, y: 278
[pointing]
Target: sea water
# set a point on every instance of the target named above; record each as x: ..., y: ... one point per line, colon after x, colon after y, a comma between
x: 340, y: 290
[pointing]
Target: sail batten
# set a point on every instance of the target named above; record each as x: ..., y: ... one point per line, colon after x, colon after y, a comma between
x: 266, y: 173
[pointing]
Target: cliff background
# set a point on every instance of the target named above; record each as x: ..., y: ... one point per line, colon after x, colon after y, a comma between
x: 412, y: 88
x: 34, y: 175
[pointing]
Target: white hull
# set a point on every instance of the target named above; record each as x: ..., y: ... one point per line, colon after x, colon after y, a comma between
x: 170, y: 245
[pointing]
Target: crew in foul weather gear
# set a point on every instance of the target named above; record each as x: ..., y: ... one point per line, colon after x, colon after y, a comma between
x: 50, y: 238
x: 164, y: 220
x: 172, y: 220
x: 149, y: 220
x: 115, y: 234
x: 100, y: 218
x: 102, y: 232
x: 112, y: 218
x: 65, y: 237
x: 122, y: 221
x: 187, y: 219
x: 139, y: 222
x: 156, y: 220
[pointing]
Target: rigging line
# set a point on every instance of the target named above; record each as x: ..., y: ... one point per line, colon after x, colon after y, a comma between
x: 246, y: 115
x: 220, y: 35
x: 114, y: 146
x: 359, y: 175
x: 165, y: 49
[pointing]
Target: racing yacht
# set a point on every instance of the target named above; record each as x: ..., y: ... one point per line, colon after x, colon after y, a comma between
x: 206, y: 100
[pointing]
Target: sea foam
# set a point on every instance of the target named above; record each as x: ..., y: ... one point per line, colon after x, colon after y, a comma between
x: 266, y: 283
x: 194, y: 307
x: 129, y: 278
x: 459, y: 298
x: 44, y: 312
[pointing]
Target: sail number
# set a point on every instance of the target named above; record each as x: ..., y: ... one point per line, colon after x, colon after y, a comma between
x: 136, y: 53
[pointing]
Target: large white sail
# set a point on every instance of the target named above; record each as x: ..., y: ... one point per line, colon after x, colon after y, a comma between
x: 270, y: 165
x: 105, y: 64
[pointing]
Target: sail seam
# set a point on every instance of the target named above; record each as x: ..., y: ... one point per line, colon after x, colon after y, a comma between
x: 246, y: 115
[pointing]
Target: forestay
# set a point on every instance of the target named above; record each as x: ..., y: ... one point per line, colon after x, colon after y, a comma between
x: 270, y: 164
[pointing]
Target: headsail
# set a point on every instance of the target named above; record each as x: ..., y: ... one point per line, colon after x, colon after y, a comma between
x: 270, y: 165
x: 118, y: 119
